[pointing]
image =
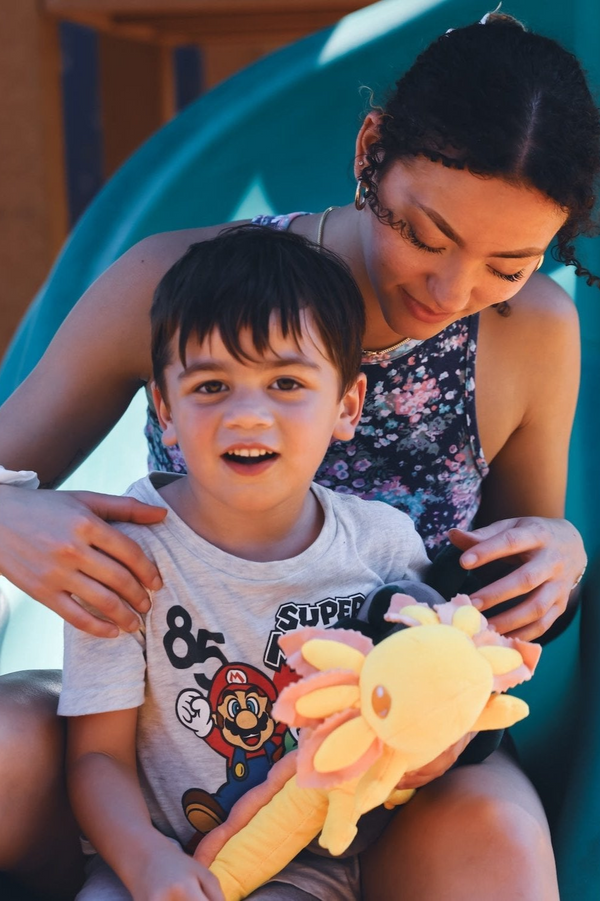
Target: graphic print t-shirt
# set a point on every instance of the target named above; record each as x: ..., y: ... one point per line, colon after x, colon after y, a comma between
x: 205, y: 666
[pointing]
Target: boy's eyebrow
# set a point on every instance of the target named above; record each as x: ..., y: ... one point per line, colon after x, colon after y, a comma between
x: 275, y: 363
x: 447, y: 230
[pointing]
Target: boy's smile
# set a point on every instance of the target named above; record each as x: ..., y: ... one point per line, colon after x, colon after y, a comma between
x: 252, y: 460
x: 253, y: 431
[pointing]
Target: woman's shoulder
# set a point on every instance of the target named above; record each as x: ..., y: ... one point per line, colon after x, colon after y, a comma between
x: 525, y: 360
x: 541, y: 317
x: 541, y: 301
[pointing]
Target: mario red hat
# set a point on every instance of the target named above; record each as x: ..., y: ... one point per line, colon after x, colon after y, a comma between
x: 239, y: 676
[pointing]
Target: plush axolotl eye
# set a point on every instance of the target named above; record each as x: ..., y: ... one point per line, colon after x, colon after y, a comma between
x: 381, y: 701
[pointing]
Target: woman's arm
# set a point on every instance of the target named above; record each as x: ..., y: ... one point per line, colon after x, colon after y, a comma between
x: 530, y: 382
x: 56, y: 545
x: 109, y: 805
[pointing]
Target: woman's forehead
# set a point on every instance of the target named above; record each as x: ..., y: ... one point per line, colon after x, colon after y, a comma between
x: 514, y: 214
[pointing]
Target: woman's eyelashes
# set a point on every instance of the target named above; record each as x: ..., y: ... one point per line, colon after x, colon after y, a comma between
x: 513, y: 277
x: 408, y: 232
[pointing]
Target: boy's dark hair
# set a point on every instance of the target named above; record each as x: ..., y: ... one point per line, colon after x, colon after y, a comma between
x: 499, y: 101
x: 238, y: 279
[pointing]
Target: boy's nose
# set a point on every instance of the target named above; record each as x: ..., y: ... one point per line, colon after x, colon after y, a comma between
x: 250, y: 412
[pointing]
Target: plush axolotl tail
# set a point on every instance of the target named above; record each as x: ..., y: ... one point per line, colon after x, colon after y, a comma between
x: 368, y: 715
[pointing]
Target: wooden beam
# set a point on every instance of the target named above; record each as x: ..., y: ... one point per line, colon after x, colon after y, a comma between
x: 226, y: 24
x: 137, y: 95
x: 168, y: 7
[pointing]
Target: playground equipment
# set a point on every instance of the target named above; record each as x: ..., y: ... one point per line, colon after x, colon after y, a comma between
x: 279, y: 137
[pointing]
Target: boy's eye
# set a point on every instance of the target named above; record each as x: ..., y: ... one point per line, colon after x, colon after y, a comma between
x: 286, y: 384
x: 214, y: 386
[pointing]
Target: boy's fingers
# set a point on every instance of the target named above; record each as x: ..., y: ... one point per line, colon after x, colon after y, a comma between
x: 211, y: 887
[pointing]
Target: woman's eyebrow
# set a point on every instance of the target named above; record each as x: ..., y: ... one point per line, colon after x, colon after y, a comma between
x: 447, y: 230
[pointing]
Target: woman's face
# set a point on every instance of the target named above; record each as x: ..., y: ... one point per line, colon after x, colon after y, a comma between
x: 466, y: 242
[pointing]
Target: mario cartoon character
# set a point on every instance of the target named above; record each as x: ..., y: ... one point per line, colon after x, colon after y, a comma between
x: 236, y: 721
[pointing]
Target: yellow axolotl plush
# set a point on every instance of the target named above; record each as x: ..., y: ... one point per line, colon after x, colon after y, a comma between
x: 368, y: 714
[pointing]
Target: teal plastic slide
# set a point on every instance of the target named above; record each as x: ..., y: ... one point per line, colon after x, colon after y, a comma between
x: 278, y: 137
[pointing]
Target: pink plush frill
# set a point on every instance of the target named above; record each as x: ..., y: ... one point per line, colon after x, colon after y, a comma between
x: 311, y: 740
x: 488, y: 636
x: 291, y: 644
x: 529, y: 651
x: 284, y: 709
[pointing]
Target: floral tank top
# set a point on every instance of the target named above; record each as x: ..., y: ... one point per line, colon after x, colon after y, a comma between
x: 417, y: 446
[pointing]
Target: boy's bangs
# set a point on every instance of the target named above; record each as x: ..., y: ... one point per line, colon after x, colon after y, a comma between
x: 237, y: 283
x: 237, y: 315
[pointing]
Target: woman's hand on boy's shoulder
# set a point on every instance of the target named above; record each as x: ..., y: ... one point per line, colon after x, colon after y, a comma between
x: 54, y: 545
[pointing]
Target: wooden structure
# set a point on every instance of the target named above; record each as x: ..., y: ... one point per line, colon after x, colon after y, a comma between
x: 136, y: 39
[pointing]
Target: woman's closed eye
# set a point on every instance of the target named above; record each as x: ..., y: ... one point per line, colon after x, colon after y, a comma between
x: 512, y: 277
x: 408, y: 232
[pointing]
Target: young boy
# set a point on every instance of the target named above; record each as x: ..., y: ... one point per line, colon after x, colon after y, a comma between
x: 256, y: 344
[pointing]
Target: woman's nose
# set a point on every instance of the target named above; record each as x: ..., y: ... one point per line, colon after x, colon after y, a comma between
x: 451, y: 289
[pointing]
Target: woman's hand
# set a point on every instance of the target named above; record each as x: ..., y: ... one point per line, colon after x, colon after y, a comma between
x: 55, y: 544
x: 549, y: 558
x: 437, y: 767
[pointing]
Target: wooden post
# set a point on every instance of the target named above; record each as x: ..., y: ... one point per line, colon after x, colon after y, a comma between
x: 33, y: 208
x: 137, y: 95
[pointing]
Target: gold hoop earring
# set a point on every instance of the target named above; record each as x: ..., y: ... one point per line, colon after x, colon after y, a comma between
x: 360, y: 195
x: 540, y: 263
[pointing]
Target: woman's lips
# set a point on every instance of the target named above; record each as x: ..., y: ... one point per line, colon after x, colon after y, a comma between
x: 420, y: 312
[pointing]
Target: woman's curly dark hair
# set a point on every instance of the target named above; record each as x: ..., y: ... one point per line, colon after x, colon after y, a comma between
x: 499, y: 101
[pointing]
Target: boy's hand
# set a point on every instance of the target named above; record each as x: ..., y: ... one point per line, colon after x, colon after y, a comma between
x: 437, y: 767
x: 170, y: 875
x: 56, y: 544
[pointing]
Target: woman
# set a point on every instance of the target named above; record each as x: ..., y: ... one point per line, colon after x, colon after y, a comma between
x: 486, y: 151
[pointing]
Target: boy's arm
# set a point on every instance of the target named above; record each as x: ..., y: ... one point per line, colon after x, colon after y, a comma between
x: 109, y: 805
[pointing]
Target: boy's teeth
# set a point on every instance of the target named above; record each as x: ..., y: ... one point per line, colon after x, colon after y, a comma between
x: 250, y: 452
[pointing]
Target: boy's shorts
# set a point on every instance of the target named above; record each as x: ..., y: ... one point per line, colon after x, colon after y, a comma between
x: 309, y: 877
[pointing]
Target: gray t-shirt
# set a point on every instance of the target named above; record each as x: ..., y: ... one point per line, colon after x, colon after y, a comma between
x: 205, y: 666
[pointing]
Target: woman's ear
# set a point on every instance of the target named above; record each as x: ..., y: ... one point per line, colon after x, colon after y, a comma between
x: 368, y: 134
x: 351, y: 406
x: 164, y: 416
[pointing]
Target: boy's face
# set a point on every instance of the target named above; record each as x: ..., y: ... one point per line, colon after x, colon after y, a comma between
x: 254, y: 432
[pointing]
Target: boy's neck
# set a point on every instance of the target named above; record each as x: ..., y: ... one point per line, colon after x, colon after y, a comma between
x: 275, y: 534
